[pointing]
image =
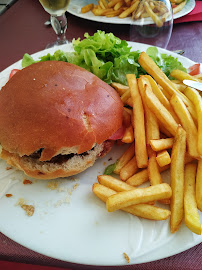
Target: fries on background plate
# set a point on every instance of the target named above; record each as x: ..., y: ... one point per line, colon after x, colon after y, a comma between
x: 136, y: 9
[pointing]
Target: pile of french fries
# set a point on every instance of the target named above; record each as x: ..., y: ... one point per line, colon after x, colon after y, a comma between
x: 137, y: 9
x: 163, y: 127
x: 177, y: 5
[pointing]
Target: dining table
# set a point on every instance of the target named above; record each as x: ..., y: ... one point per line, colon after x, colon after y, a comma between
x: 23, y: 29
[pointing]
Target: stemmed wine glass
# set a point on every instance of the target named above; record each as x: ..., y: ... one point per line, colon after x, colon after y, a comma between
x: 152, y: 23
x: 57, y: 9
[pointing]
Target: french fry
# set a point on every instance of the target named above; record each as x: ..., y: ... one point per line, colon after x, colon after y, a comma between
x: 161, y: 112
x: 126, y: 96
x: 151, y: 126
x: 157, y: 10
x: 181, y: 75
x: 179, y: 7
x: 118, y: 5
x: 198, y: 76
x: 129, y: 169
x: 128, y: 110
x: 143, y: 176
x: 154, y: 173
x: 138, y: 196
x: 175, y: 81
x: 123, y: 160
x: 166, y: 94
x: 138, y: 178
x: 120, y: 88
x: 157, y: 91
x: 113, y: 13
x: 127, y: 2
x: 144, y: 15
x: 195, y: 97
x: 157, y: 20
x: 161, y: 144
x: 163, y: 158
x: 101, y: 4
x: 112, y: 3
x: 150, y: 66
x: 164, y: 131
x: 113, y: 183
x: 105, y: 4
x: 176, y: 1
x: 177, y: 179
x: 142, y: 210
x: 138, y: 114
x: 199, y: 185
x: 191, y: 216
x: 129, y: 102
x: 87, y: 8
x: 180, y: 86
x: 152, y: 5
x: 138, y: 12
x: 98, y: 11
x: 129, y: 10
x: 188, y: 124
x: 128, y: 136
x: 126, y: 117
x: 162, y: 98
x: 153, y: 170
x: 160, y: 8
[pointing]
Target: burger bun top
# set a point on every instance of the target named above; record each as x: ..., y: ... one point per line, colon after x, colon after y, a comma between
x: 57, y: 107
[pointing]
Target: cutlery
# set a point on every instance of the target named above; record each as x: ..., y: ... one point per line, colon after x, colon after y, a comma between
x: 196, y: 85
x: 179, y: 52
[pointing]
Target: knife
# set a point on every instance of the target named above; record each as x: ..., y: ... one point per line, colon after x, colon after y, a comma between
x: 196, y: 85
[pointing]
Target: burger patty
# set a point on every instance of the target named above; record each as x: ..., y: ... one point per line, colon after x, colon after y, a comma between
x: 59, y: 159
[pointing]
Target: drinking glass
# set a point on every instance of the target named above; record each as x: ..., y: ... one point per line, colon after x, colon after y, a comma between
x: 57, y: 9
x: 152, y: 23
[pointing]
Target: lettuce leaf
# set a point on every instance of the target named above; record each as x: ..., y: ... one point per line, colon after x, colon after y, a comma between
x: 108, y: 57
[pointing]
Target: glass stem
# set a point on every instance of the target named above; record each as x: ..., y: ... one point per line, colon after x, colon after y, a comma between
x: 59, y: 24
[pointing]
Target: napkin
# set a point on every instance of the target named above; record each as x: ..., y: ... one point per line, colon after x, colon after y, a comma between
x: 193, y: 16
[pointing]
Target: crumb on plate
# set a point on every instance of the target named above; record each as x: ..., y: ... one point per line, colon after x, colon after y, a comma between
x: 126, y: 257
x: 9, y: 195
x: 75, y: 186
x: 65, y: 200
x: 29, y: 209
x: 53, y: 185
x: 27, y: 182
x: 21, y: 201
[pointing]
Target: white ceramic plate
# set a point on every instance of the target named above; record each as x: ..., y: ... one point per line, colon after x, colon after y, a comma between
x: 71, y: 224
x: 76, y: 5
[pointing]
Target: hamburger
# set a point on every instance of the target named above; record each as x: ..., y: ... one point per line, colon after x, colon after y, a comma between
x: 56, y: 119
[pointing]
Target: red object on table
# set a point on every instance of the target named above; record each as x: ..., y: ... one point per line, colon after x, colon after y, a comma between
x: 193, y: 16
x: 22, y: 30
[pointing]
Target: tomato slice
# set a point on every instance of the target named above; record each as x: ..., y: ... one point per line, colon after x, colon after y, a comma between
x: 118, y: 134
x: 13, y: 73
x: 195, y: 69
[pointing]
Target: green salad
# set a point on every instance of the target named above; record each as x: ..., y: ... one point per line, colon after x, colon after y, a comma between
x: 108, y: 57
